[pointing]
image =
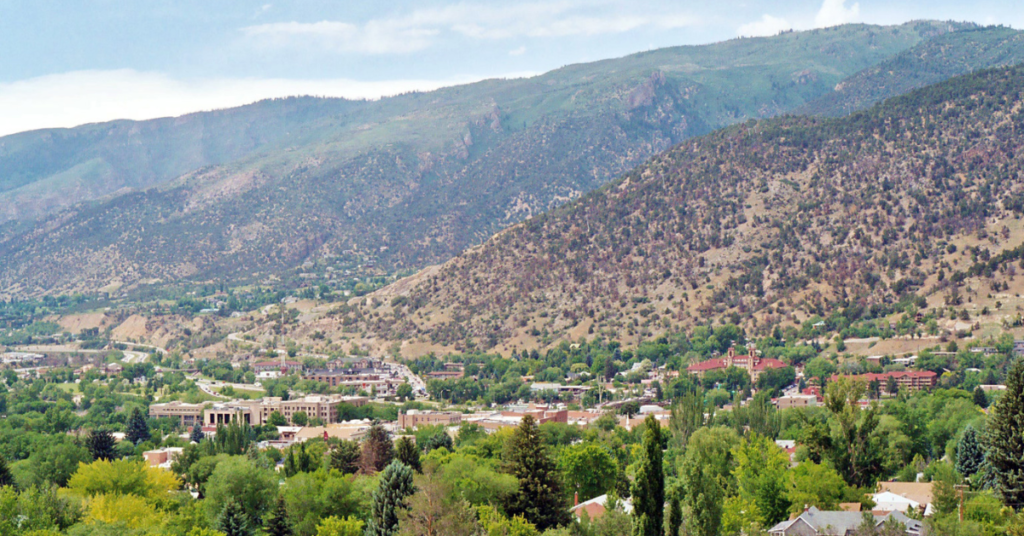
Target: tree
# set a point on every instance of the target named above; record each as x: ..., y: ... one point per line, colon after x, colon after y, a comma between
x: 689, y: 414
x: 389, y: 499
x: 441, y: 439
x: 818, y: 485
x: 970, y: 455
x: 539, y: 498
x: 675, y: 515
x: 407, y: 453
x: 345, y: 457
x: 891, y: 386
x: 136, y: 430
x: 703, y: 497
x: 589, y: 469
x: 436, y: 510
x: 277, y: 524
x: 232, y: 520
x: 6, y: 479
x: 276, y: 418
x: 648, y: 488
x: 377, y: 450
x: 404, y: 391
x: 300, y: 418
x: 980, y: 399
x: 238, y: 479
x: 1006, y: 438
x: 197, y: 435
x: 122, y: 477
x: 101, y: 444
x: 761, y: 477
x: 609, y: 365
x: 335, y: 526
x: 629, y: 409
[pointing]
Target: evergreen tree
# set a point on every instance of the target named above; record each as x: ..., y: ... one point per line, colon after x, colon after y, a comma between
x: 232, y: 520
x: 649, y: 487
x: 1006, y: 438
x: 197, y: 433
x: 407, y: 453
x: 539, y: 498
x: 675, y: 515
x: 438, y: 440
x: 6, y: 478
x: 980, y: 399
x: 389, y: 497
x: 969, y: 453
x: 377, y: 451
x: 345, y: 457
x: 137, y: 430
x: 101, y: 444
x: 277, y: 524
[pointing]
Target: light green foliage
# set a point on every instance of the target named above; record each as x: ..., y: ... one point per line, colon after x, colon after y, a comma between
x: 239, y: 480
x: 589, y: 470
x: 122, y: 477
x: 495, y: 524
x: 312, y: 496
x: 338, y: 526
x: 812, y: 484
x: 761, y: 478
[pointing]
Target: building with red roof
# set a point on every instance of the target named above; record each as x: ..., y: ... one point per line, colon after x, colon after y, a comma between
x: 752, y: 363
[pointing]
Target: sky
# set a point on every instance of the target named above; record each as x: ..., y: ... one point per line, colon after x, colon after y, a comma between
x: 69, y: 63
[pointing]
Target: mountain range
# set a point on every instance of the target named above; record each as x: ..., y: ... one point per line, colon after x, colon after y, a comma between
x: 413, y: 180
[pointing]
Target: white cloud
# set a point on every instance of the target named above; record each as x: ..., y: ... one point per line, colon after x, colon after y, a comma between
x: 517, y: 51
x: 835, y: 12
x: 768, y: 25
x: 75, y: 98
x: 420, y: 28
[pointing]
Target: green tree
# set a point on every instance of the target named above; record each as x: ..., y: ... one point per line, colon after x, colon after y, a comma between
x: 300, y: 418
x: 970, y: 455
x: 6, y: 479
x: 1006, y: 438
x: 702, y: 498
x: 648, y: 488
x: 980, y: 399
x: 404, y: 391
x: 440, y: 439
x: 539, y: 498
x: 761, y: 477
x: 136, y: 430
x: 812, y: 484
x: 589, y: 469
x: 197, y: 435
x: 407, y: 453
x: 100, y: 443
x: 276, y: 418
x: 675, y: 515
x: 310, y: 497
x: 345, y: 457
x: 277, y: 524
x: 335, y: 526
x: 389, y: 499
x: 232, y: 520
x: 689, y: 413
x: 240, y: 480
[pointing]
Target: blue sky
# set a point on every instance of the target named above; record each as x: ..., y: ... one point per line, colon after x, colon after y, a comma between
x: 66, y: 63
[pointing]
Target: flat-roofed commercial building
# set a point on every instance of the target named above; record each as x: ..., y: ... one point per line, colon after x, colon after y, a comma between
x: 187, y: 414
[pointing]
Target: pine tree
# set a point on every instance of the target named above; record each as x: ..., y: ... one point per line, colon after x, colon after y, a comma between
x: 439, y: 440
x: 389, y: 497
x: 648, y: 489
x: 232, y: 520
x: 980, y: 399
x: 377, y: 451
x: 345, y: 457
x: 277, y: 524
x: 969, y: 453
x: 197, y: 434
x: 539, y: 498
x: 137, y: 430
x: 6, y: 478
x: 1006, y: 438
x: 101, y: 444
x: 407, y: 453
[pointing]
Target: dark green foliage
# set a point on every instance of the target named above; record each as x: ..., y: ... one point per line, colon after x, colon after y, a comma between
x: 703, y: 499
x: 6, y: 479
x: 197, y: 433
x: 345, y: 457
x: 277, y: 524
x: 970, y: 455
x: 980, y: 398
x: 649, y: 486
x: 101, y: 444
x: 438, y: 440
x: 539, y: 498
x: 407, y: 453
x: 233, y: 521
x: 1006, y: 438
x: 377, y: 450
x: 299, y: 461
x: 389, y: 498
x: 137, y: 430
x: 675, y: 515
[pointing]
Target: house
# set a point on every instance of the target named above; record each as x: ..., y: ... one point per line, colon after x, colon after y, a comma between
x: 753, y: 364
x: 898, y: 495
x: 596, y: 507
x: 814, y: 522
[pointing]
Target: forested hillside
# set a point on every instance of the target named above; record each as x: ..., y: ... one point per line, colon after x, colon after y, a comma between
x: 913, y: 202
x: 403, y: 182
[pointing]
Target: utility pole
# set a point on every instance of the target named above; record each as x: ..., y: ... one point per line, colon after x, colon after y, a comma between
x: 960, y: 488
